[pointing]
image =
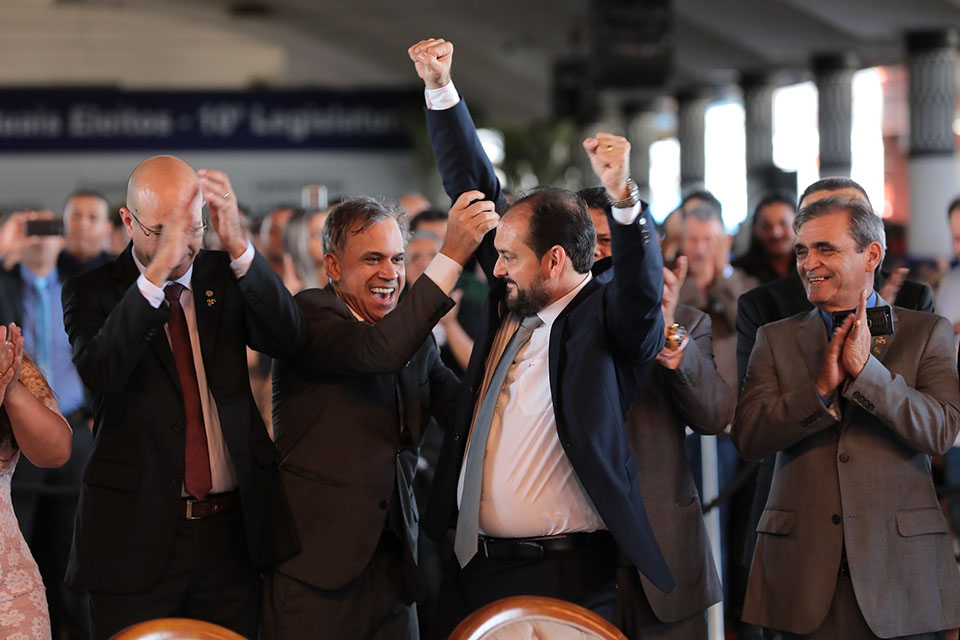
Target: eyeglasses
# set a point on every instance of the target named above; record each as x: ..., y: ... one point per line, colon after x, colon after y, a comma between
x: 196, y: 232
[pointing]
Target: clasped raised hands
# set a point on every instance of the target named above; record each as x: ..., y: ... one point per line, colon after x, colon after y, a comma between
x: 847, y: 352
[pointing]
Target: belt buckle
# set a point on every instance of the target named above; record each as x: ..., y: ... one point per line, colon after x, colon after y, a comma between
x: 190, y: 515
x: 530, y: 549
x: 483, y: 545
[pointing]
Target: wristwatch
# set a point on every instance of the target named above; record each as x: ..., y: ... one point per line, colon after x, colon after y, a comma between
x: 631, y: 199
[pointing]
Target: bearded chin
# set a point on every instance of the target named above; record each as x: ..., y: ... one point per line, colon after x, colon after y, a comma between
x: 527, y: 302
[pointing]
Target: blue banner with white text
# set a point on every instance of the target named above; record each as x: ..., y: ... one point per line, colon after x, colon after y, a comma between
x: 113, y: 120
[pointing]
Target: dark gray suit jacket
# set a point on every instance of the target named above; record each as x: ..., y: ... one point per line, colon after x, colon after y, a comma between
x: 861, y: 482
x: 345, y: 439
x: 693, y: 395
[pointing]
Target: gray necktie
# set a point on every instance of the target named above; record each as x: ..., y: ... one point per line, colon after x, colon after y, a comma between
x: 468, y: 520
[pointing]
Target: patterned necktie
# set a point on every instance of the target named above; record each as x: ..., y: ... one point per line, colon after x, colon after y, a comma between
x: 197, y: 478
x: 43, y: 348
x: 468, y: 520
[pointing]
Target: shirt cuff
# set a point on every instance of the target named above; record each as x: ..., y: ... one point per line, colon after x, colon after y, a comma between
x: 627, y: 216
x: 242, y: 264
x: 444, y: 271
x: 150, y: 291
x: 830, y: 405
x: 443, y: 98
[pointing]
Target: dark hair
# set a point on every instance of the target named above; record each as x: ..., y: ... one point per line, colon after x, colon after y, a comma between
x: 559, y: 217
x: 834, y: 183
x: 865, y: 225
x: 86, y: 193
x: 708, y: 198
x: 428, y: 215
x: 353, y: 216
x: 755, y: 256
x: 595, y: 198
x: 774, y: 197
x: 703, y: 213
x: 954, y: 205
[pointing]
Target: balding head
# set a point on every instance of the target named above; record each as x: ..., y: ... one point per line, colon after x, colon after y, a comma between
x: 160, y: 181
x: 159, y: 190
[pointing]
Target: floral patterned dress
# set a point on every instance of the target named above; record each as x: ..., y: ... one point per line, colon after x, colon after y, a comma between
x: 23, y: 602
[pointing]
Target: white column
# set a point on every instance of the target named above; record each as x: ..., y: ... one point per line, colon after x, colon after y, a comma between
x: 934, y: 179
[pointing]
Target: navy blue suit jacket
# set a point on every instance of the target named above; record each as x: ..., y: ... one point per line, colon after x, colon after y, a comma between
x: 598, y: 348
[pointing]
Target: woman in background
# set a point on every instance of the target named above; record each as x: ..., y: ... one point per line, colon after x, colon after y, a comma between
x: 30, y: 422
x: 770, y: 255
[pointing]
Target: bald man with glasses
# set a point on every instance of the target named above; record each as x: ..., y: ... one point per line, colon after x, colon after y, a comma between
x: 179, y: 507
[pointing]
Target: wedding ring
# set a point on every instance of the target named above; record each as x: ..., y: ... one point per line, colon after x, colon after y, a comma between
x: 609, y: 147
x: 226, y: 196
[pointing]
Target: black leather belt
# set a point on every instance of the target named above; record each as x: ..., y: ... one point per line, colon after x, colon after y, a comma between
x: 532, y: 548
x: 214, y: 504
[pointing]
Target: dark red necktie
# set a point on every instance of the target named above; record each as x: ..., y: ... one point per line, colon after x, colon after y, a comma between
x: 196, y: 471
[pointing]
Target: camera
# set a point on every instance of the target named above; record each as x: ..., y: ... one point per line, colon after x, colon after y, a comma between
x: 52, y: 227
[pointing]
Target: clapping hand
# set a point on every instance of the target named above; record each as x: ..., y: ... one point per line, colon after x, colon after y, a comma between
x: 856, y: 349
x: 224, y: 214
x: 171, y: 247
x: 672, y: 281
x: 11, y: 357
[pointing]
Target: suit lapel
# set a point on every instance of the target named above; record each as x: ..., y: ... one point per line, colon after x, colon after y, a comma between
x: 125, y: 273
x: 556, y: 340
x: 209, y: 288
x: 812, y: 340
x: 879, y: 345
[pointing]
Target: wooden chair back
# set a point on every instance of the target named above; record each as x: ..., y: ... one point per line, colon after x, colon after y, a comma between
x: 527, y: 617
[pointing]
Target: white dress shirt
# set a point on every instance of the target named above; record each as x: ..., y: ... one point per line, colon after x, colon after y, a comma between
x: 529, y: 486
x: 221, y: 466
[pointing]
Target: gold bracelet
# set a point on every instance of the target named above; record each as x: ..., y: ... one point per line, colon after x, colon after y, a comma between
x: 675, y: 334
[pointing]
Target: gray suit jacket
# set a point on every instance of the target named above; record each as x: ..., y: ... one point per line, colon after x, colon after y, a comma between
x: 861, y: 482
x: 696, y: 395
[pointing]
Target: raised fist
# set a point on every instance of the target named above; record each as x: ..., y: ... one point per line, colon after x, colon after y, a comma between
x: 471, y: 217
x: 610, y: 159
x: 433, y: 58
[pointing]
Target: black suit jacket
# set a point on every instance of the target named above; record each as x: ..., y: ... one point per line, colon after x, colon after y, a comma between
x: 777, y: 300
x: 349, y: 412
x: 11, y: 297
x: 130, y: 498
x: 597, y: 346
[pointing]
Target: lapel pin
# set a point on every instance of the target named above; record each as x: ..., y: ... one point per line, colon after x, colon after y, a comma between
x: 211, y: 302
x: 879, y: 340
x: 209, y: 293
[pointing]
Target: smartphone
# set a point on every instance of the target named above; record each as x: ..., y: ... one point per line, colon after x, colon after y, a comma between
x: 879, y: 319
x: 52, y: 227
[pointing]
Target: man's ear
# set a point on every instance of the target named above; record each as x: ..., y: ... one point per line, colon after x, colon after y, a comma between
x: 127, y: 218
x: 553, y: 261
x: 874, y: 256
x: 332, y: 264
